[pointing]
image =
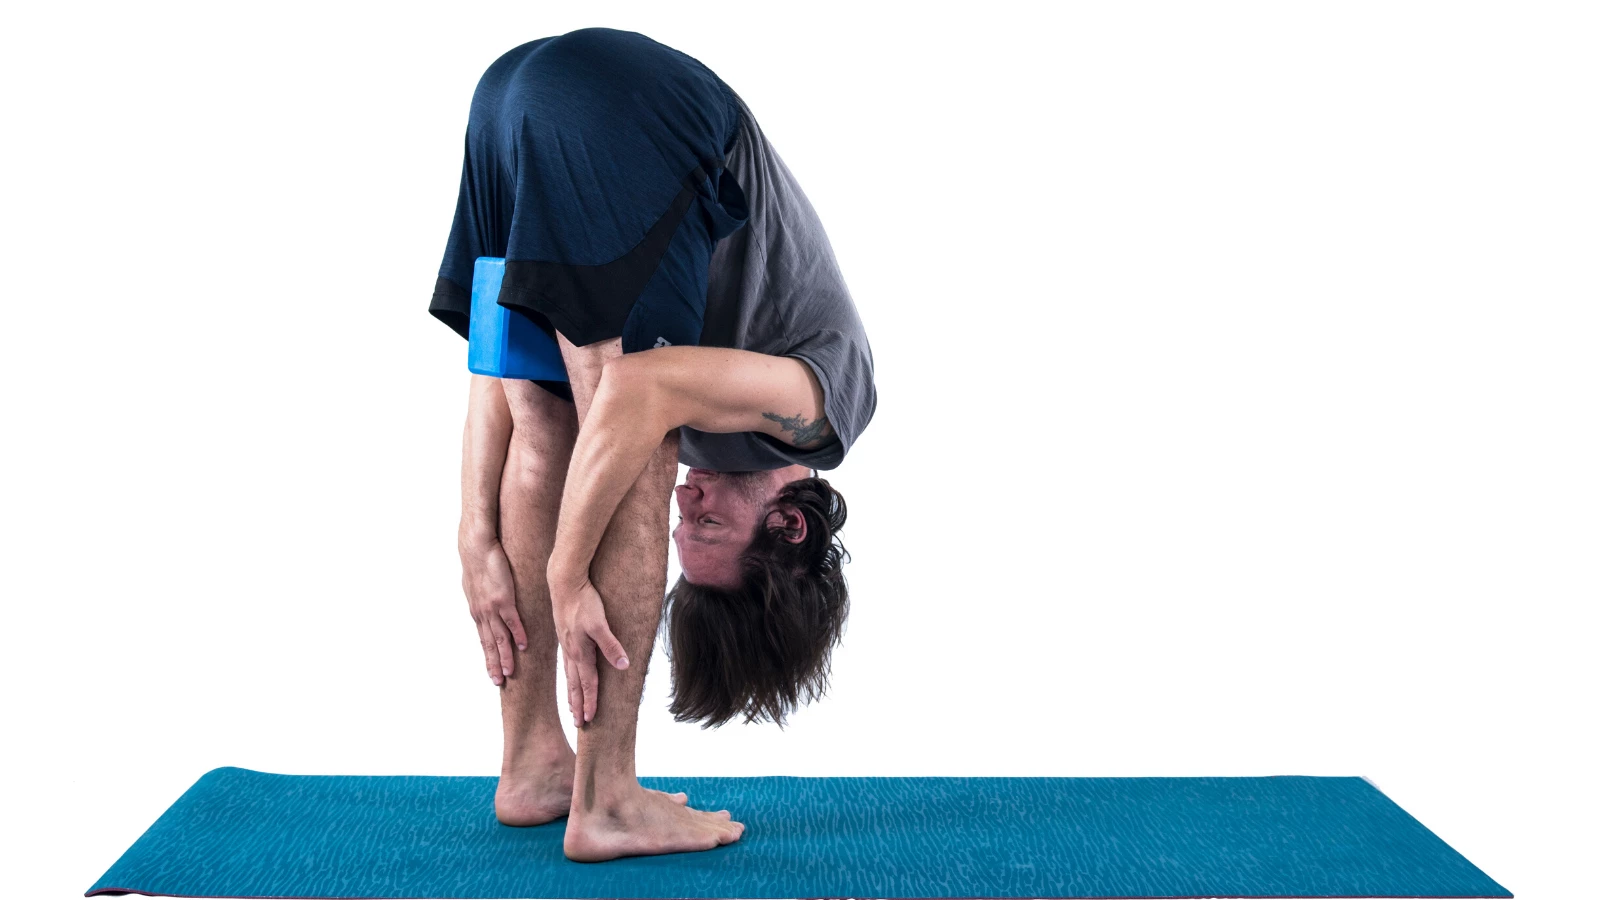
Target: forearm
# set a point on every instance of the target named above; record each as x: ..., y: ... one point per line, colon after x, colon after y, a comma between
x: 484, y: 444
x: 619, y: 436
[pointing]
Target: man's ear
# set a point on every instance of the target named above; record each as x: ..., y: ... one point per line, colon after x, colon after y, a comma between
x: 790, y: 523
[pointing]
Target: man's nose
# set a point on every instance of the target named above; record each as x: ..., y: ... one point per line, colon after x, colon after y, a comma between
x: 690, y: 495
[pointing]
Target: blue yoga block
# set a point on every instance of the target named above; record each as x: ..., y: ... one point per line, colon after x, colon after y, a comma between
x: 504, y: 343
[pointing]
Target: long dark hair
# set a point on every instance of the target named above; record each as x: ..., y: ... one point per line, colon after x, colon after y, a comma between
x: 762, y: 649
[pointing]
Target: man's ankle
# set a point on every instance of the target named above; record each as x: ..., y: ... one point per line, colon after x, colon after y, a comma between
x: 536, y: 759
x: 606, y: 791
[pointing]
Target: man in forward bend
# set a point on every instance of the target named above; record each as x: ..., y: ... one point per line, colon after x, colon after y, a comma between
x: 652, y: 231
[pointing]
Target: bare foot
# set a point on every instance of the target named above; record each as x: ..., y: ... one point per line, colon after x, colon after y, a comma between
x: 544, y: 795
x: 536, y: 798
x: 645, y: 823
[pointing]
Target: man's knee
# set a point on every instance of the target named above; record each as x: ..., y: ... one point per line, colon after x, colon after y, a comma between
x: 544, y: 429
x: 584, y: 366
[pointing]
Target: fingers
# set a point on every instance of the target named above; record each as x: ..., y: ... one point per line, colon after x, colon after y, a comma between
x: 608, y: 643
x: 589, y: 678
x: 600, y: 634
x: 514, y: 622
x: 491, y: 652
x: 502, y: 643
x: 574, y: 698
x: 583, y: 672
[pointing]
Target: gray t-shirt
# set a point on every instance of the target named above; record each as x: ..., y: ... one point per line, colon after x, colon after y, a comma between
x: 775, y: 288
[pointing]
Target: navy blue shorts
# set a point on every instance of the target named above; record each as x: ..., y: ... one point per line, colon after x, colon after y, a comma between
x: 594, y: 166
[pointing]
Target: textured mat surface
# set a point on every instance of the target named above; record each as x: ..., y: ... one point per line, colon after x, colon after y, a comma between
x: 241, y: 833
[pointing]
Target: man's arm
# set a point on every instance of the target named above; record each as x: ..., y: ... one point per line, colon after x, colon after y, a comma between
x: 484, y: 444
x: 486, y: 576
x: 624, y: 426
x: 642, y: 396
x: 720, y: 390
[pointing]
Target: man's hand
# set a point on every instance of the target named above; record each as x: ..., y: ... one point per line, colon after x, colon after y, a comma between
x: 580, y: 621
x: 492, y: 597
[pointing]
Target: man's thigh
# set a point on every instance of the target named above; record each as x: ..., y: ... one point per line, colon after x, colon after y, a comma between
x: 584, y: 365
x: 544, y: 428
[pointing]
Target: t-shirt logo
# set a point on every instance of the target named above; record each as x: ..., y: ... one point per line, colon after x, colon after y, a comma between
x: 662, y: 342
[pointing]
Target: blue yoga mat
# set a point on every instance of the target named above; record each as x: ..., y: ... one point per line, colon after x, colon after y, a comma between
x: 241, y: 833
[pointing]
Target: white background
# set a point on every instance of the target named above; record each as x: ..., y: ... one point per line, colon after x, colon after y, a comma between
x: 1237, y: 401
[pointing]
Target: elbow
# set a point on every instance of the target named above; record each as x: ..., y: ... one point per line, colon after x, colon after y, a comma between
x: 635, y: 393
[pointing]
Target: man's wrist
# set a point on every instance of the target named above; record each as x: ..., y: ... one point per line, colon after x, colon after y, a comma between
x: 565, y: 580
x: 475, y: 535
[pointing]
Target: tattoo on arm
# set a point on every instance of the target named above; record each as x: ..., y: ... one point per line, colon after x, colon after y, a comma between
x: 806, y: 435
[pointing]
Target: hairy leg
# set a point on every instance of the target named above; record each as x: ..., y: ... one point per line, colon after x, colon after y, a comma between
x: 537, y: 764
x: 610, y: 814
x: 536, y: 768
